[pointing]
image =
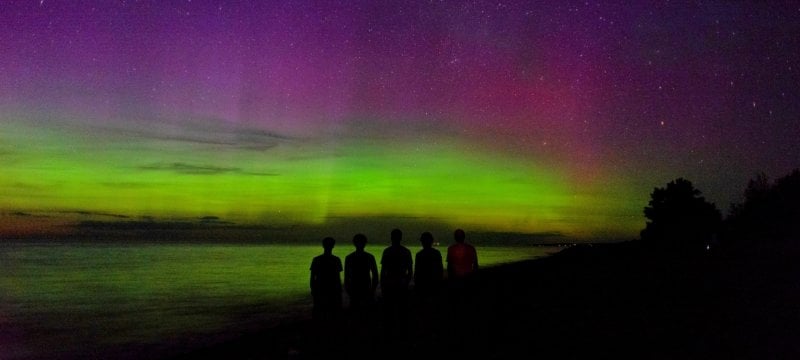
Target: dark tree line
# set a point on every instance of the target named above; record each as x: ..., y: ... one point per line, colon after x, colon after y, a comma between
x: 679, y: 217
x: 770, y: 211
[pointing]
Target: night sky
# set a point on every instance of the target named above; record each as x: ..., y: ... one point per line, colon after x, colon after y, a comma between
x: 505, y: 116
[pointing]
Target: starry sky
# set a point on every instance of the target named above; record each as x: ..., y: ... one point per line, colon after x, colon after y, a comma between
x: 510, y: 116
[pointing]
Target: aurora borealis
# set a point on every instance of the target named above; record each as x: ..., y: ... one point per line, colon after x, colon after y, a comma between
x: 500, y: 116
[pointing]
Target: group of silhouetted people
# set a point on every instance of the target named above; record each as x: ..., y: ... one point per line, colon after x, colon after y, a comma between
x: 361, y: 278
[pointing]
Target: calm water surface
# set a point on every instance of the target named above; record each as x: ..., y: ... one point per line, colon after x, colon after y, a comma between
x: 70, y: 298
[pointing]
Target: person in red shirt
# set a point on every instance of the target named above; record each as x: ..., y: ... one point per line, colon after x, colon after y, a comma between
x: 462, y: 263
x: 462, y: 259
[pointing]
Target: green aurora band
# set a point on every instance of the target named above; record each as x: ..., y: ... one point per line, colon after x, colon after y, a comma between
x: 65, y: 166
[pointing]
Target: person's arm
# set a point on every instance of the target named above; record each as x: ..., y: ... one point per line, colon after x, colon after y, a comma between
x: 383, y: 270
x: 348, y: 272
x: 449, y: 266
x: 410, y: 266
x: 373, y: 267
x: 475, y: 254
x: 416, y: 267
x: 313, y: 277
x: 439, y: 268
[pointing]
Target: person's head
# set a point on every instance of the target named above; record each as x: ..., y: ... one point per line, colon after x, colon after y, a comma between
x: 459, y: 236
x: 397, y: 236
x: 360, y: 241
x: 426, y: 239
x: 328, y: 243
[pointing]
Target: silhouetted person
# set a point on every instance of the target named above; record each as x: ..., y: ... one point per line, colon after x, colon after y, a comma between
x: 462, y: 259
x: 428, y: 273
x: 462, y: 262
x: 360, y: 275
x: 326, y: 285
x: 396, y: 274
x: 428, y: 269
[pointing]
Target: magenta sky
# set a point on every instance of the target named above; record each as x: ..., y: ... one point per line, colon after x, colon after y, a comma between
x: 646, y: 92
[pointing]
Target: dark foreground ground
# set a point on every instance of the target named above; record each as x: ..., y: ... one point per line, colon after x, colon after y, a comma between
x: 616, y: 300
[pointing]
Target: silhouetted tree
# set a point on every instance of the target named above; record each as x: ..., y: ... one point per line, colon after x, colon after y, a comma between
x: 770, y: 211
x: 679, y: 218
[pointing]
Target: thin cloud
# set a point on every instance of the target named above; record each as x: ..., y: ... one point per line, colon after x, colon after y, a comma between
x: 151, y: 223
x: 183, y: 168
x: 214, y: 220
x: 24, y: 214
x: 207, y: 133
x: 133, y: 225
x: 94, y: 213
x: 252, y: 144
x: 191, y: 169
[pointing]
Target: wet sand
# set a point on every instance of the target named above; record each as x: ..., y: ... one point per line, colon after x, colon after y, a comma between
x: 614, y: 300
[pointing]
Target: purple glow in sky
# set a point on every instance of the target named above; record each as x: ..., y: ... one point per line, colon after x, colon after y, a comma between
x: 597, y: 90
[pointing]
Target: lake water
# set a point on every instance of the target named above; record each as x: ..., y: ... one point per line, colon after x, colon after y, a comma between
x: 78, y: 300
